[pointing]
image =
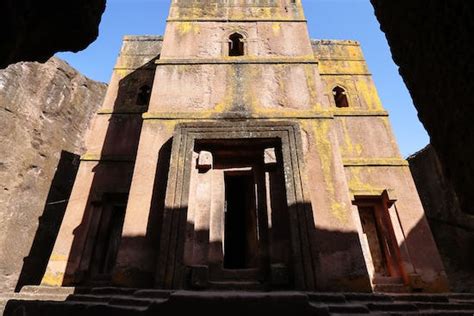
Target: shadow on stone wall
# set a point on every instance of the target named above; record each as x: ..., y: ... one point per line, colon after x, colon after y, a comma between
x: 453, y: 230
x: 112, y: 174
x: 35, y: 263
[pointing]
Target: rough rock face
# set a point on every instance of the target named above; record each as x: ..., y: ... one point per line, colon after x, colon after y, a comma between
x: 431, y: 41
x: 33, y: 30
x: 453, y: 230
x: 45, y: 110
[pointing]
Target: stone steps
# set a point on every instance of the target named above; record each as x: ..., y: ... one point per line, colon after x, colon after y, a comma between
x: 239, y: 286
x: 392, y: 304
x: 38, y: 301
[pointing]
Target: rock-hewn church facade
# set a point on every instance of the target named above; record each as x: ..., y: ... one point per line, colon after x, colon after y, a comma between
x: 235, y: 152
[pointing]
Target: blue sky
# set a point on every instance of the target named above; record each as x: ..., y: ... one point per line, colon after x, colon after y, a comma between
x: 327, y: 19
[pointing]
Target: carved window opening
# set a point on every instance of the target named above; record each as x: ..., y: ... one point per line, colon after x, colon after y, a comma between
x: 340, y: 97
x: 236, y: 45
x: 144, y: 94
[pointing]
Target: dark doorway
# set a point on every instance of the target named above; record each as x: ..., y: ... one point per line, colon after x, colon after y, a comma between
x: 108, y: 237
x: 383, y: 247
x: 240, y: 241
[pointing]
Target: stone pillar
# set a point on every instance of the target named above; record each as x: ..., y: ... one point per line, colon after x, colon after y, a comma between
x: 136, y: 260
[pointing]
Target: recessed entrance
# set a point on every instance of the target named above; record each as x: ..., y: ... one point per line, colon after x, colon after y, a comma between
x: 104, y: 237
x: 227, y: 222
x: 377, y: 229
x: 240, y: 241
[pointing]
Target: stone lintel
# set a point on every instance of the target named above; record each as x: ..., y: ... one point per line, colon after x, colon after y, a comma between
x: 390, y: 194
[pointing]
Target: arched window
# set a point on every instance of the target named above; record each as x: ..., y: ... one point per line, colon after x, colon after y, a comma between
x: 143, y: 97
x: 340, y: 97
x: 236, y: 45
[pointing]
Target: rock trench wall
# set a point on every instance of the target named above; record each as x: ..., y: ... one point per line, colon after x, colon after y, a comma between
x: 431, y: 43
x: 452, y: 228
x: 45, y: 111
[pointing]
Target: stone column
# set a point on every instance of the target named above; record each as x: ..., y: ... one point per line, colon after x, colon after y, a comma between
x: 135, y: 264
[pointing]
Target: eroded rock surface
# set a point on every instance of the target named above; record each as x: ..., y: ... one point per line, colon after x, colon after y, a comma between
x: 431, y: 42
x: 452, y: 229
x: 33, y: 30
x: 45, y: 110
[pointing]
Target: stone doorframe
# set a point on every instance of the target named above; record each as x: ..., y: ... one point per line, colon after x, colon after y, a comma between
x: 171, y: 269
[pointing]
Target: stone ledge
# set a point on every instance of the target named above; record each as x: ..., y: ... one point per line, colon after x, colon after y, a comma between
x: 235, y: 20
x: 343, y: 112
x: 335, y: 42
x: 107, y: 158
x: 345, y: 74
x: 143, y: 38
x: 375, y: 162
x: 237, y: 115
x: 237, y: 60
x: 277, y: 114
x: 113, y: 112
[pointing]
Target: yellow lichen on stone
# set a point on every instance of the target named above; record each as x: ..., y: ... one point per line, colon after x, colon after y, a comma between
x: 356, y: 184
x: 311, y: 83
x: 368, y: 93
x: 170, y: 125
x: 57, y: 257
x: 339, y: 210
x: 187, y: 27
x: 226, y: 101
x: 321, y: 133
x: 52, y: 279
x: 276, y: 27
x: 349, y: 148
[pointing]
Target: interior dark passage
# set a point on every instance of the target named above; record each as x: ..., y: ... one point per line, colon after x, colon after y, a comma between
x: 240, y: 242
x: 108, y: 237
